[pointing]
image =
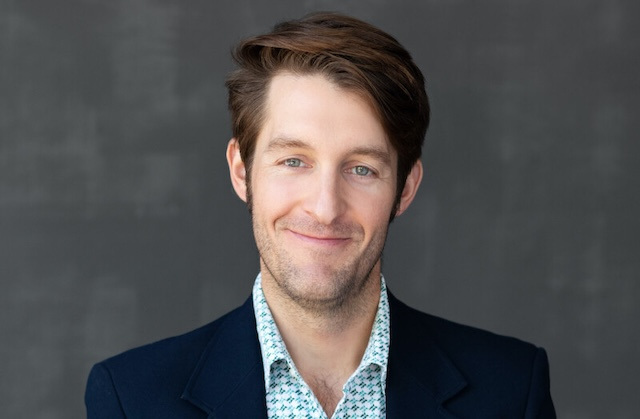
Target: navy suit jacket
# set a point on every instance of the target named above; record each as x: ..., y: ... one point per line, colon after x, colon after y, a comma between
x: 437, y: 369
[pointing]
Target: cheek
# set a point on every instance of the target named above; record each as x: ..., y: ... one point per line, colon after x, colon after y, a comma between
x: 372, y: 209
x: 274, y: 196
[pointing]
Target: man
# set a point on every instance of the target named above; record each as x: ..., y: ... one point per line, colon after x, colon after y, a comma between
x: 329, y: 116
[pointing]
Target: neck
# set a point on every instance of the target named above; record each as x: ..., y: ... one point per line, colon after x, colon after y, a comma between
x: 348, y: 321
x: 325, y: 345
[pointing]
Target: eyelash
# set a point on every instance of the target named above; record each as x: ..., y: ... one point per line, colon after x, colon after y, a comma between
x: 288, y: 162
x: 296, y: 163
x: 354, y: 170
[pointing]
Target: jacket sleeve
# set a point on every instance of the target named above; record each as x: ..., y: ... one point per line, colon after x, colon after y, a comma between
x: 540, y: 404
x: 101, y: 397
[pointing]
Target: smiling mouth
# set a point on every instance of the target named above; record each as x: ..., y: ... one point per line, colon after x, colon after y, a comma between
x: 320, y: 240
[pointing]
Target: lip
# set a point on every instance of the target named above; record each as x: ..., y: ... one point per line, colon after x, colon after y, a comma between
x: 328, y: 241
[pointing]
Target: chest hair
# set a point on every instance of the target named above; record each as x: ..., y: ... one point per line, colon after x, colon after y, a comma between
x: 328, y: 392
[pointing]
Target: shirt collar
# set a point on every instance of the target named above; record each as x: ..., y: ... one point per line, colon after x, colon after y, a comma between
x: 377, y: 351
x: 271, y: 344
x: 273, y: 348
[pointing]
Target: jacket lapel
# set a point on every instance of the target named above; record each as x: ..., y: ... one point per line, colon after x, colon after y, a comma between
x: 229, y: 378
x: 420, y: 376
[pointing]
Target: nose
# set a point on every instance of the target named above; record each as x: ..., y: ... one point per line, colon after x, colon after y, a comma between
x: 325, y: 199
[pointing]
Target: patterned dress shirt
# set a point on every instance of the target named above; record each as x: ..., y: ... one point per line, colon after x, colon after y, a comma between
x: 288, y: 396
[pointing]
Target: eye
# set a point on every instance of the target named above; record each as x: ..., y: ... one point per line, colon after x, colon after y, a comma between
x: 293, y: 162
x: 362, y: 171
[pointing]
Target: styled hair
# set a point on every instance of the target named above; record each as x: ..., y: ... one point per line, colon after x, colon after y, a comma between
x: 353, y: 54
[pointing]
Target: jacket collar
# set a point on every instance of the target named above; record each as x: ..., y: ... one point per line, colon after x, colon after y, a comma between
x: 421, y: 377
x: 229, y: 379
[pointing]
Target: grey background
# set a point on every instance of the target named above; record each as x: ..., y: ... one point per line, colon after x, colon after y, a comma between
x: 118, y: 225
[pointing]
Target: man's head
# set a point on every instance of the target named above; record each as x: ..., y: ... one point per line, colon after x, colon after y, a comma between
x: 329, y: 117
x: 352, y: 54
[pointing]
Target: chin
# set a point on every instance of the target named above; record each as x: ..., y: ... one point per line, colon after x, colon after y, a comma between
x: 324, y: 287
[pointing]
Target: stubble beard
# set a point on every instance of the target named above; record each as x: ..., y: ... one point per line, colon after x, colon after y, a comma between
x: 347, y: 289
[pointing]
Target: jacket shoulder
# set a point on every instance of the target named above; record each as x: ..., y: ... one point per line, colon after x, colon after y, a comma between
x: 500, y: 373
x: 155, y: 374
x: 462, y: 342
x: 171, y: 354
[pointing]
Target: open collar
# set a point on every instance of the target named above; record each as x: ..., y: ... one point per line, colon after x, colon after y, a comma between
x: 229, y: 379
x: 274, y: 349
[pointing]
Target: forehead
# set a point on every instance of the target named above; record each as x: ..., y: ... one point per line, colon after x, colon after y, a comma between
x: 313, y: 109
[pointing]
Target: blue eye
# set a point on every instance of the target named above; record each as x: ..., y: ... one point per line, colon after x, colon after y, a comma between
x: 361, y: 171
x: 292, y: 162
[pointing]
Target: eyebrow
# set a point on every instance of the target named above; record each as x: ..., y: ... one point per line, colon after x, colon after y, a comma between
x: 377, y: 153
x: 279, y: 143
x: 374, y: 152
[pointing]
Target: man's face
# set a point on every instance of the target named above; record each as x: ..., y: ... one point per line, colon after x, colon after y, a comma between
x: 322, y: 190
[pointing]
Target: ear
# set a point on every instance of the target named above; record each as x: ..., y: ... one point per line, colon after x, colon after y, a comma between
x: 237, y: 169
x: 410, y: 187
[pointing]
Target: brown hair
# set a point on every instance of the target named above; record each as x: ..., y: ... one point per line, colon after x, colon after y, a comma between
x: 354, y: 55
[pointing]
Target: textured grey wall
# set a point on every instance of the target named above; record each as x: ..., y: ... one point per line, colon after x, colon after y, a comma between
x: 118, y: 225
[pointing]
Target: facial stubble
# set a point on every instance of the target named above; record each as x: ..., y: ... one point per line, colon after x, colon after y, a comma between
x: 351, y: 285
